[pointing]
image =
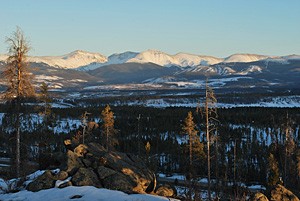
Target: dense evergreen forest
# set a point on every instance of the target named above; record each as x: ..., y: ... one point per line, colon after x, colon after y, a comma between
x: 249, y: 144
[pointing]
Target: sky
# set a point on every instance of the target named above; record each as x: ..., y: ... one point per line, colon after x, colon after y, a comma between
x: 213, y: 27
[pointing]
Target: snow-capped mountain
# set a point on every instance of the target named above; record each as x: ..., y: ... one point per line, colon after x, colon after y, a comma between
x: 180, y: 59
x: 121, y: 58
x: 74, y: 59
x: 244, y: 58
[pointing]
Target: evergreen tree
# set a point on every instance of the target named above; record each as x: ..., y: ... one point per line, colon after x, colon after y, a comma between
x: 273, y: 171
x: 189, y: 128
x: 45, y: 98
x: 108, y: 129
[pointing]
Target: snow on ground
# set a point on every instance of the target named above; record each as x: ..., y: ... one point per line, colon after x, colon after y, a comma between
x: 279, y: 102
x: 84, y: 193
x: 123, y: 87
x: 42, y: 78
x: 174, y: 176
x: 257, y: 187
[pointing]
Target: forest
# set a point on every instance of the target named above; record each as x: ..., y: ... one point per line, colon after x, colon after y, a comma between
x: 239, y: 145
x: 250, y: 145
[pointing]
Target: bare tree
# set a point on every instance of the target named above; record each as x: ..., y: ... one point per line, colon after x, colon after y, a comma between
x: 18, y: 79
x: 84, y: 124
x: 210, y: 122
x: 16, y: 71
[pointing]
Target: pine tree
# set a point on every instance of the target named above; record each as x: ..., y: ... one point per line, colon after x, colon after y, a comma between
x: 18, y: 79
x: 108, y: 129
x: 273, y: 171
x: 45, y: 98
x: 189, y: 128
x: 47, y: 115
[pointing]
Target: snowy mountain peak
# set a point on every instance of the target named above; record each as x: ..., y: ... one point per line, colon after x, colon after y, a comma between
x: 244, y: 58
x: 80, y: 54
x: 74, y: 59
x: 121, y: 57
x: 180, y: 59
x: 83, y: 60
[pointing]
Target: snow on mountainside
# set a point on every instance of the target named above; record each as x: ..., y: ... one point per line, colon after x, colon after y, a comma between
x: 180, y: 59
x: 3, y: 57
x: 85, y: 61
x: 245, y: 58
x: 121, y: 58
x: 251, y: 69
x: 74, y: 59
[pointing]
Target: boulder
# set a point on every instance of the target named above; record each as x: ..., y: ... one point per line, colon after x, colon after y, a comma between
x: 45, y: 181
x: 73, y: 162
x: 92, y: 165
x: 166, y: 191
x: 104, y: 172
x: 80, y: 150
x: 280, y: 193
x: 119, y: 182
x: 62, y: 175
x: 259, y: 197
x: 133, y: 168
x: 86, y: 177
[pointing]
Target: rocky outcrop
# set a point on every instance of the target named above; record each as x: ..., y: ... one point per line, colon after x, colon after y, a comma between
x: 92, y: 165
x: 280, y: 193
x: 46, y: 180
x: 259, y: 197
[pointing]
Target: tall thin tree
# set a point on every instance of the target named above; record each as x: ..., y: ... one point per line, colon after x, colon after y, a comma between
x: 210, y: 124
x: 18, y: 79
x: 108, y: 129
x: 189, y: 128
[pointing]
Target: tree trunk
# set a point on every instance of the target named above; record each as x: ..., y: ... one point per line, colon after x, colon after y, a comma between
x: 18, y: 152
x: 208, y: 142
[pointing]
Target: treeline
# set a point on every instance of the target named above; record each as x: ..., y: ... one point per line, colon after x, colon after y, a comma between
x: 245, y: 139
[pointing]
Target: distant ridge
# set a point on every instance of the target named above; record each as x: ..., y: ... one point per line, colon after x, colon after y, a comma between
x: 85, y: 61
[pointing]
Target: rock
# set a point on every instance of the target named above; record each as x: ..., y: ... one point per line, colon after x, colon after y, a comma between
x: 62, y: 175
x: 93, y: 165
x: 52, y: 160
x: 119, y: 182
x: 80, y: 150
x: 45, y: 181
x: 280, y: 193
x: 166, y: 191
x: 259, y: 197
x: 135, y: 171
x: 131, y: 167
x: 86, y: 177
x: 104, y: 172
x: 76, y: 197
x: 73, y: 163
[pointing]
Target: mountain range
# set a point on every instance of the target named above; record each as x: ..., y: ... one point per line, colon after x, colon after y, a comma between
x: 83, y: 60
x: 85, y: 70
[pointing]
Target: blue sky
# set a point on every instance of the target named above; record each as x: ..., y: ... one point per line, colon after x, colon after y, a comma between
x: 213, y: 27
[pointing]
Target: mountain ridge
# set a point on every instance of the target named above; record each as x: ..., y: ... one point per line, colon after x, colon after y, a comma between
x: 85, y: 61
